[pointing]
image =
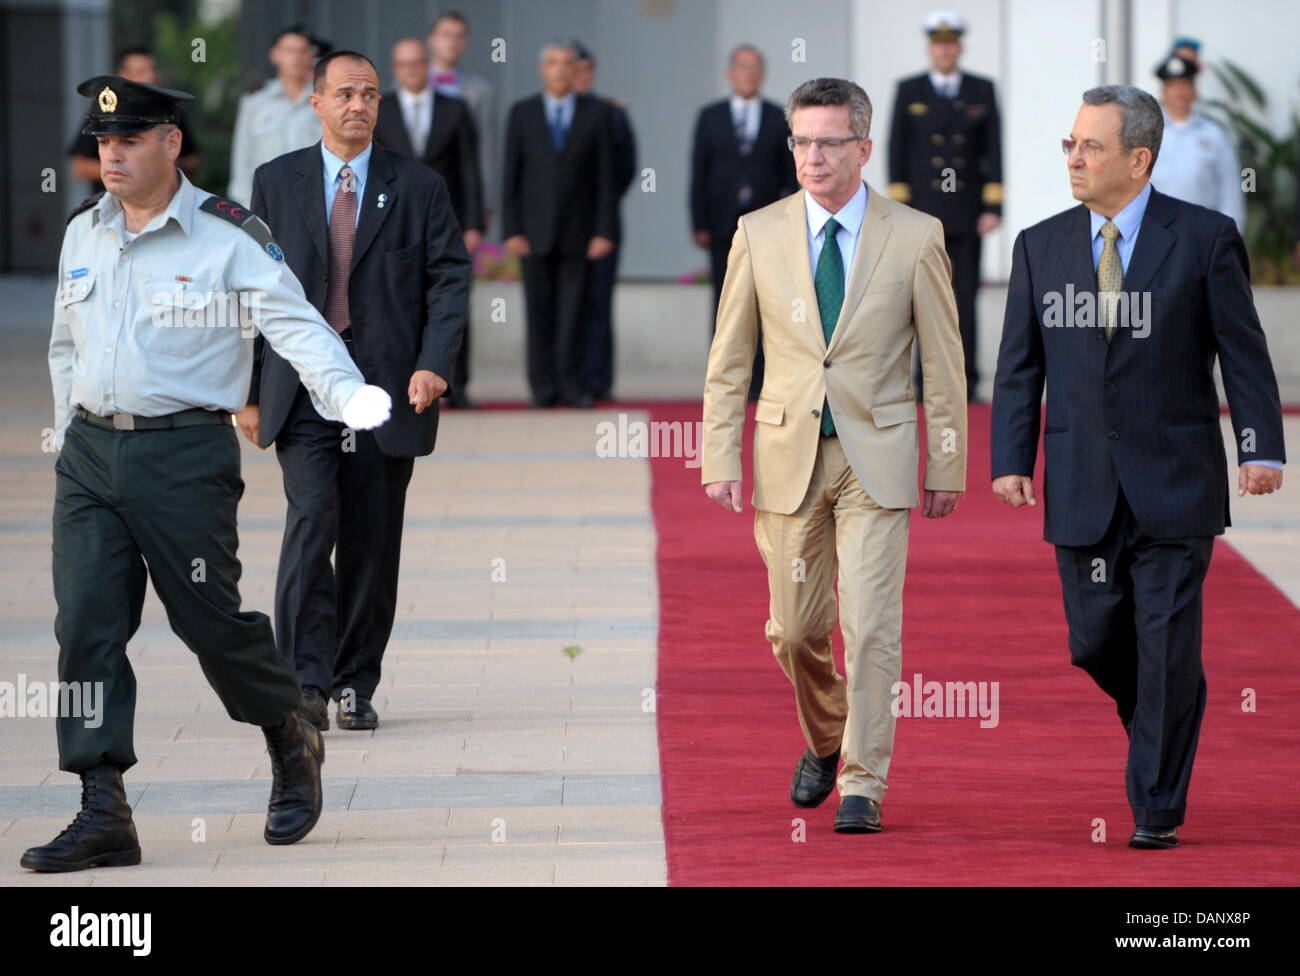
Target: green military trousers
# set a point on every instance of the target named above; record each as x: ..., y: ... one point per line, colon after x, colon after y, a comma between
x: 165, y: 500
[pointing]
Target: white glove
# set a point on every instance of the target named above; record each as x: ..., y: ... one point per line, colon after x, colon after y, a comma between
x: 369, y: 407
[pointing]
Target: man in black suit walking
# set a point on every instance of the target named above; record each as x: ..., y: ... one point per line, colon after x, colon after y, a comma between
x: 1120, y: 306
x: 739, y: 162
x: 437, y: 129
x: 559, y: 209
x: 372, y: 237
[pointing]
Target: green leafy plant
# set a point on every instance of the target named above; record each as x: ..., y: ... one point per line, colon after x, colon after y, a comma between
x: 1271, y: 206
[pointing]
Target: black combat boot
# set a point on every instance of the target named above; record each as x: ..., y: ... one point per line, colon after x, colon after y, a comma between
x: 100, y: 836
x: 297, y: 751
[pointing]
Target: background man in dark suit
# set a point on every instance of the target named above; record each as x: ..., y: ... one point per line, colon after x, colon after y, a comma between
x: 945, y: 158
x: 599, y: 370
x: 559, y: 210
x: 739, y: 162
x: 1136, y: 482
x: 372, y: 237
x: 437, y: 129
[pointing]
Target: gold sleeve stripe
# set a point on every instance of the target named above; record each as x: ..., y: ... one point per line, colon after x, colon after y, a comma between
x: 900, y: 192
x: 992, y: 194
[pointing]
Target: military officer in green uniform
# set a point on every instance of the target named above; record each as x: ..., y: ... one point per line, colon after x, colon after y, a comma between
x: 945, y: 158
x: 160, y: 287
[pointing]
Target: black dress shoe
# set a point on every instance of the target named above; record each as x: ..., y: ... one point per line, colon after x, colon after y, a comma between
x: 542, y: 402
x: 581, y: 402
x: 814, y: 778
x: 857, y: 815
x: 102, y: 835
x: 315, y: 708
x: 297, y: 751
x: 360, y: 716
x: 1154, y: 838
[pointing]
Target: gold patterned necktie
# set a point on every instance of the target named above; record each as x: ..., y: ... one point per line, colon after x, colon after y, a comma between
x: 1110, y: 276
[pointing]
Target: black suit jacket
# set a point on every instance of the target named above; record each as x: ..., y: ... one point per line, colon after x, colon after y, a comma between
x: 450, y: 148
x: 718, y: 169
x: 559, y: 201
x: 1139, y: 412
x: 408, y: 290
x: 624, y: 147
x: 931, y: 133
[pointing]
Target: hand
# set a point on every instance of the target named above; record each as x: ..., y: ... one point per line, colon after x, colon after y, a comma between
x: 1015, y: 489
x: 473, y: 238
x: 1258, y: 479
x: 987, y: 222
x: 598, y: 247
x: 249, y: 421
x: 940, y: 503
x: 369, y: 407
x: 701, y: 238
x: 425, y: 387
x: 517, y: 245
x: 725, y: 493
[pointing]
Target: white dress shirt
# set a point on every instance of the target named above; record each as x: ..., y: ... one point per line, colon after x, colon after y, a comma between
x: 948, y: 85
x: 417, y: 112
x: 849, y: 217
x: 748, y: 108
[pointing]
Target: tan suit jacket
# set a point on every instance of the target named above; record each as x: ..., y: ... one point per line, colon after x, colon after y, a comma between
x: 898, y: 292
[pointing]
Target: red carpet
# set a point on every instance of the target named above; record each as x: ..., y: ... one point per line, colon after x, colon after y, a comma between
x: 1011, y: 805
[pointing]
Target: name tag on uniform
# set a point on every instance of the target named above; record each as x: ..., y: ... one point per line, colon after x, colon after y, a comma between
x: 76, y: 273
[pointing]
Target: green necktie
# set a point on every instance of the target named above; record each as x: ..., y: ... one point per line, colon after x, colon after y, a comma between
x: 1110, y: 276
x: 829, y: 283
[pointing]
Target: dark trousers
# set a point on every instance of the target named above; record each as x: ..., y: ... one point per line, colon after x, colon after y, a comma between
x: 459, y: 382
x: 598, y: 373
x: 1133, y: 604
x: 964, y: 255
x: 718, y: 252
x: 345, y: 497
x: 555, y: 293
x: 165, y: 499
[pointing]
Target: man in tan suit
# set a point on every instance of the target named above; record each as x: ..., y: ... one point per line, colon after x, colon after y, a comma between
x: 836, y: 440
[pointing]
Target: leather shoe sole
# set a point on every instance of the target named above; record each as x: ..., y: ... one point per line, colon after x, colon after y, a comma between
x: 1153, y: 839
x: 857, y: 818
x: 106, y: 859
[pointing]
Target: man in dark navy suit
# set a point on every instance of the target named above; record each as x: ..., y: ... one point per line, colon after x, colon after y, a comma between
x: 371, y: 236
x: 559, y: 213
x: 1121, y: 306
x: 740, y: 162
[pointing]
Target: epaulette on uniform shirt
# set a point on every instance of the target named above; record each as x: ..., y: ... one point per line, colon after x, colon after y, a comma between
x: 245, y: 219
x: 85, y: 205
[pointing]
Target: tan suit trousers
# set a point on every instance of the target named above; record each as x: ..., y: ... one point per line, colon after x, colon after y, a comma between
x: 839, y: 528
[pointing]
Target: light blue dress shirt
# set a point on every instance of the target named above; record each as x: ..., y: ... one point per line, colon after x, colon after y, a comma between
x: 360, y: 167
x: 850, y: 220
x: 567, y: 105
x: 1129, y: 222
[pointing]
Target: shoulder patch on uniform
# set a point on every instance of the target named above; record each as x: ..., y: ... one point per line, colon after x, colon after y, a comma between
x: 85, y: 205
x: 246, y: 220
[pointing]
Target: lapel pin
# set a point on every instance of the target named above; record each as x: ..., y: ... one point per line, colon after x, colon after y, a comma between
x: 383, y: 198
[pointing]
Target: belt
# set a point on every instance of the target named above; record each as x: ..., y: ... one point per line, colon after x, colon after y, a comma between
x: 184, y: 418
